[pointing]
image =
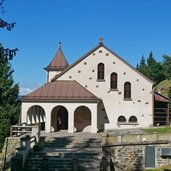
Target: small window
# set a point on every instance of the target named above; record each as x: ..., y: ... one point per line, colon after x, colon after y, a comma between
x: 127, y: 90
x: 133, y: 119
x: 121, y: 119
x: 113, y: 81
x: 100, y: 69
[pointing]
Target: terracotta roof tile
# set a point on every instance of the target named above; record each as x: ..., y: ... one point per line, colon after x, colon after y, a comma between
x: 60, y: 90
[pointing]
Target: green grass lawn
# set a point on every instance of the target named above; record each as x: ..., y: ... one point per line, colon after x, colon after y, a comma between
x: 164, y: 168
x: 158, y: 130
x: 154, y: 170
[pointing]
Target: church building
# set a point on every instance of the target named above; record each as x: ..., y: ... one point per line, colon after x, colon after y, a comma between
x: 99, y: 91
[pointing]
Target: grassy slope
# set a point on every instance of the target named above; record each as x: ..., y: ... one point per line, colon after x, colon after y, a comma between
x: 163, y: 87
x: 158, y: 130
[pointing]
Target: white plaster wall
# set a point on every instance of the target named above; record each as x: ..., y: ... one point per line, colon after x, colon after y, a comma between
x: 141, y: 105
x: 51, y: 74
x: 71, y: 107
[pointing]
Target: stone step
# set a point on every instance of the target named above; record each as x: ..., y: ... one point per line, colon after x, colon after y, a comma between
x: 69, y: 156
x: 51, y: 163
x: 64, y: 141
x: 58, y: 154
x: 72, y: 145
x: 57, y: 163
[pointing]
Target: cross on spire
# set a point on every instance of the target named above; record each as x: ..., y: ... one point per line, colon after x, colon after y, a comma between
x: 101, y: 40
x: 59, y: 45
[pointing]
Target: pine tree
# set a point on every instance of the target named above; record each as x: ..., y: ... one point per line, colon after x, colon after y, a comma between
x: 155, y: 69
x: 152, y: 69
x: 143, y: 66
x: 9, y: 105
x: 167, y: 66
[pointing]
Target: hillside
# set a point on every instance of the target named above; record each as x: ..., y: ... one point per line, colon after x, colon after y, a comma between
x: 163, y: 87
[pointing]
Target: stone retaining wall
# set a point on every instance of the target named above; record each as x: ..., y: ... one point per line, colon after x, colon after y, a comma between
x: 12, y: 143
x: 127, y: 153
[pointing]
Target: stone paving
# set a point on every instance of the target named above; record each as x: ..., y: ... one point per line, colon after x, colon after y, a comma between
x: 63, y: 141
x: 125, y: 132
x: 76, y: 136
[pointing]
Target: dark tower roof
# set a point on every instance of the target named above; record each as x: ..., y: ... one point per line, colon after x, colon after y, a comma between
x: 59, y: 61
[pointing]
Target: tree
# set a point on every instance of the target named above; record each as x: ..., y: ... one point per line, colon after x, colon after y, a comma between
x: 167, y: 66
x: 9, y: 105
x: 152, y: 69
x: 142, y: 67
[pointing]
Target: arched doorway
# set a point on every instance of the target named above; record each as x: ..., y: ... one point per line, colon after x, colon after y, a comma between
x: 82, y: 119
x: 36, y: 115
x: 59, y: 118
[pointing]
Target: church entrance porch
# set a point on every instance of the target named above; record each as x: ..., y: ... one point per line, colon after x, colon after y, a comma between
x: 82, y: 119
x: 36, y: 115
x: 59, y: 118
x: 72, y: 117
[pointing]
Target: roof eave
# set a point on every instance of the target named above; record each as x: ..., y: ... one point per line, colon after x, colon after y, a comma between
x: 55, y: 68
x: 62, y: 100
x: 127, y: 64
x: 76, y: 62
x: 91, y: 51
x: 162, y: 96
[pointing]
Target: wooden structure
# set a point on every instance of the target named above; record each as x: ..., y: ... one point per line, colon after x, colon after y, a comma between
x: 161, y: 110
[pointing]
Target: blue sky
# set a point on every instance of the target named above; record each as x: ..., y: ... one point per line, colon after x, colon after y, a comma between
x: 131, y: 28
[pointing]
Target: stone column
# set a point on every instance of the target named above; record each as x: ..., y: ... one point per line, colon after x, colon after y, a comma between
x: 70, y: 121
x: 24, y: 110
x: 94, y: 118
x: 48, y: 120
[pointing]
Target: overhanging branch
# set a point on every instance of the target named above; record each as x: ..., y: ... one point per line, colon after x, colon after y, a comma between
x: 4, y: 24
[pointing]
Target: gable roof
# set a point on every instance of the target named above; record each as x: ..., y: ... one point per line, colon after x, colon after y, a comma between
x: 91, y: 51
x: 59, y: 62
x: 60, y: 90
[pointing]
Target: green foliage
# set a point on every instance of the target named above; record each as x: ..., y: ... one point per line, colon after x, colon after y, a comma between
x: 151, y: 69
x: 142, y: 67
x: 158, y: 130
x: 169, y: 93
x: 9, y: 105
x: 167, y: 66
x: 164, y: 87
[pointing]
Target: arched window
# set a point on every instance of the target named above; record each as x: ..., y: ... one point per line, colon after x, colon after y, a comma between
x: 100, y: 74
x: 127, y: 90
x: 133, y: 119
x: 113, y: 81
x: 121, y: 119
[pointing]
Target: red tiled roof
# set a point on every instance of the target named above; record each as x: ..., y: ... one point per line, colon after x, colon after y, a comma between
x: 161, y: 98
x: 59, y: 62
x: 60, y: 90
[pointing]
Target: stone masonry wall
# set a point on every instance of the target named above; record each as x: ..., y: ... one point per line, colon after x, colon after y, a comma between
x: 12, y: 143
x: 132, y: 157
x: 126, y: 158
x: 161, y: 161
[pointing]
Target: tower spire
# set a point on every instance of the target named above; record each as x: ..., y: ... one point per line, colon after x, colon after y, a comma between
x: 59, y: 45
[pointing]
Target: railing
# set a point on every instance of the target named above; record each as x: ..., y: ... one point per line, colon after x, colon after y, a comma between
x: 17, y: 130
x: 23, y: 129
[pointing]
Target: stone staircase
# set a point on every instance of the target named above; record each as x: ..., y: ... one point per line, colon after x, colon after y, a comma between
x: 63, y: 152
